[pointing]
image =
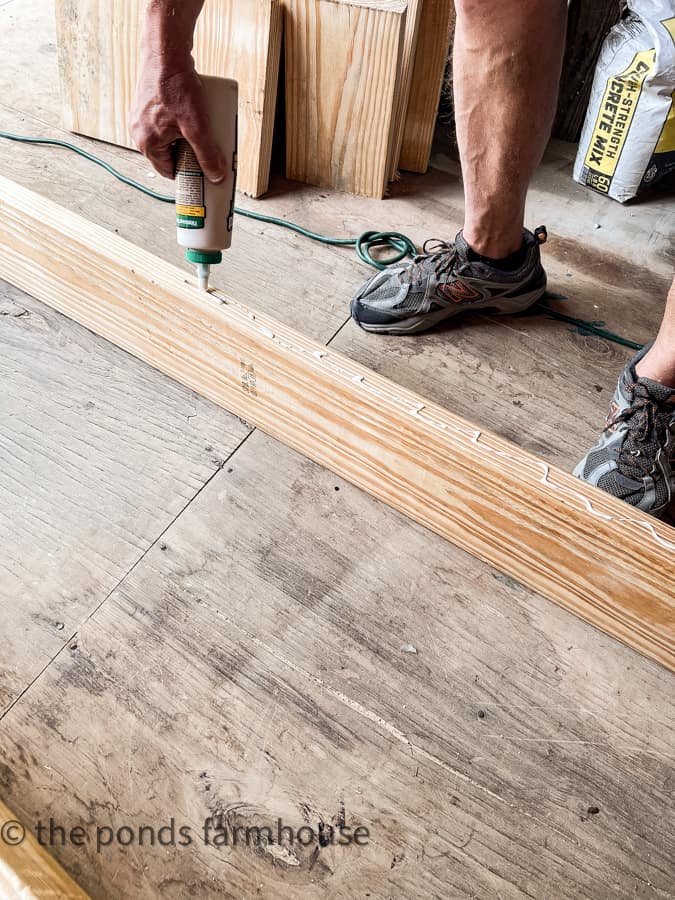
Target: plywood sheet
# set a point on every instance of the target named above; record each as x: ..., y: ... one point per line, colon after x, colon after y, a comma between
x: 433, y: 39
x: 343, y: 79
x: 585, y: 550
x: 98, y: 46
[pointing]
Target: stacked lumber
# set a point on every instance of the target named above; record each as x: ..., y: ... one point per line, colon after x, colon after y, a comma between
x: 98, y: 45
x: 410, y: 40
x: 241, y: 39
x: 435, y: 30
x: 363, y: 80
x: 343, y: 63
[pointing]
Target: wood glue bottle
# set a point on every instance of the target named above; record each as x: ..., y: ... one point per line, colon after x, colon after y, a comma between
x: 205, y: 211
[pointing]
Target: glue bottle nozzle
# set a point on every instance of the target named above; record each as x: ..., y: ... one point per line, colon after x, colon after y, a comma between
x: 203, y: 260
x: 203, y: 272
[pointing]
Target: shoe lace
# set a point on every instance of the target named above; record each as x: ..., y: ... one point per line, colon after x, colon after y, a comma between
x: 437, y: 256
x: 650, y: 422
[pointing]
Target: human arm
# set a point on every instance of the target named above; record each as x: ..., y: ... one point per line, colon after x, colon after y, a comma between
x: 169, y: 101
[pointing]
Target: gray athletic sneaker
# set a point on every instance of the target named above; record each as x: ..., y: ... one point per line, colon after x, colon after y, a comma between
x: 444, y: 282
x: 635, y: 456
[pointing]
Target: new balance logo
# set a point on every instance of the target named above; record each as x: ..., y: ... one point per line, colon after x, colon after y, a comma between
x: 458, y: 292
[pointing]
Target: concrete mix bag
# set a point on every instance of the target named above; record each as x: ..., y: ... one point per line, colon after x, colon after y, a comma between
x: 628, y: 138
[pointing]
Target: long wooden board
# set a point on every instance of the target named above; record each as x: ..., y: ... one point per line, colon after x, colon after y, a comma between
x: 98, y: 44
x: 433, y: 40
x: 27, y: 871
x: 343, y: 84
x: 608, y: 563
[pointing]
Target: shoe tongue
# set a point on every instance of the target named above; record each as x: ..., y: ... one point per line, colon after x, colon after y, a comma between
x: 657, y: 391
x: 461, y: 246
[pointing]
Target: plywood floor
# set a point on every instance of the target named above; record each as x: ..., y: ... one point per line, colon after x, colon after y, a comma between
x: 199, y: 623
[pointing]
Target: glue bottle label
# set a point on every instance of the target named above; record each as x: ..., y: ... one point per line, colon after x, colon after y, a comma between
x: 190, y: 209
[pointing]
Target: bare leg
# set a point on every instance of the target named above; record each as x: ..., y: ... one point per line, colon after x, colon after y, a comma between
x: 659, y: 363
x: 507, y: 61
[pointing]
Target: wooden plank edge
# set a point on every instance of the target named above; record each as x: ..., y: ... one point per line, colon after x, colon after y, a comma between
x: 253, y: 183
x: 269, y: 99
x: 608, y: 563
x: 406, y: 68
x: 399, y: 107
x: 431, y: 55
x: 27, y: 871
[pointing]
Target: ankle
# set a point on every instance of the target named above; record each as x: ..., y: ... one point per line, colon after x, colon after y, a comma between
x: 493, y: 244
x: 505, y: 263
x: 657, y: 367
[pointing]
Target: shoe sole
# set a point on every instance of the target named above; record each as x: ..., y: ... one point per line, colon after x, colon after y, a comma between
x: 502, y: 307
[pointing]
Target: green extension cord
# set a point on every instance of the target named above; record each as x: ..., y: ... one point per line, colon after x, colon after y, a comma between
x: 399, y: 243
x: 363, y: 244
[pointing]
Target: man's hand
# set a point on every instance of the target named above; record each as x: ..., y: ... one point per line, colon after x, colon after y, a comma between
x: 169, y: 102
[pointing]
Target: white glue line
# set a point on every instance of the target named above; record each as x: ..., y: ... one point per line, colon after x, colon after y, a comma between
x: 573, y: 498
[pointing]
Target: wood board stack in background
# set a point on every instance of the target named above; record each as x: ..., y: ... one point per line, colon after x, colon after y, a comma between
x: 241, y: 39
x: 343, y: 64
x: 436, y: 24
x: 410, y: 33
x: 363, y: 80
x: 98, y: 46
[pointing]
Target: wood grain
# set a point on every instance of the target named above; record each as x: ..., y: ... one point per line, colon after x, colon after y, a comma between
x: 27, y: 871
x: 170, y: 705
x: 319, y: 304
x: 99, y: 455
x: 243, y: 40
x: 433, y: 40
x: 406, y: 76
x: 343, y: 77
x: 251, y: 668
x: 98, y: 45
x: 577, y: 546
